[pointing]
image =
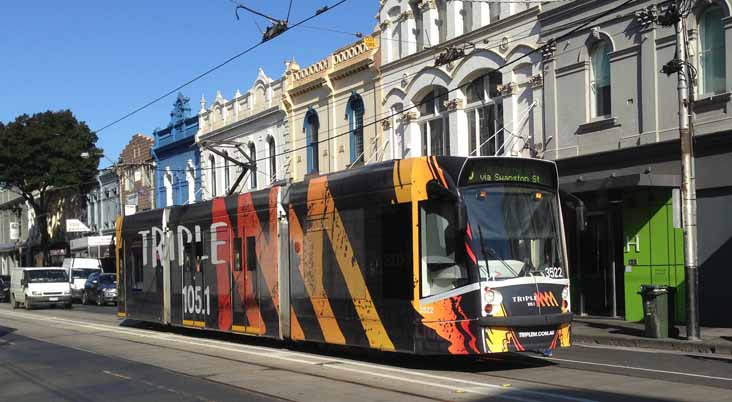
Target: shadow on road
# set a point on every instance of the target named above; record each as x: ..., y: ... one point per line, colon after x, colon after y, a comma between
x: 473, y: 364
x: 549, y: 394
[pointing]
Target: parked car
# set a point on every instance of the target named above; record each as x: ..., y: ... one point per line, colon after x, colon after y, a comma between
x: 39, y: 286
x: 78, y: 270
x: 5, y: 288
x: 100, y: 288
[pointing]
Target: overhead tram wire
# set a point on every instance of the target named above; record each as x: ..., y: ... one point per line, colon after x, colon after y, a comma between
x: 216, y: 67
x: 551, y: 43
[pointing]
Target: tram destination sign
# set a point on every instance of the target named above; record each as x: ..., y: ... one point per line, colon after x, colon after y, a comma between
x: 509, y: 170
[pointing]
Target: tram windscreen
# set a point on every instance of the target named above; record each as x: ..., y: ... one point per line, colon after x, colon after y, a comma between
x: 515, y: 231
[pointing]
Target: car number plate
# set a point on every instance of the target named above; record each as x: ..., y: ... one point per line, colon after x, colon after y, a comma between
x: 53, y: 298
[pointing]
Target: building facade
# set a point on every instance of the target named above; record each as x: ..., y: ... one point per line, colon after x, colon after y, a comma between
x: 611, y: 123
x: 332, y: 108
x: 102, y: 210
x: 472, y: 105
x: 136, y: 172
x: 250, y: 128
x: 176, y: 154
x: 15, y: 225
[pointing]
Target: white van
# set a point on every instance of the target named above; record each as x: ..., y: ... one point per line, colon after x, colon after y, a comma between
x: 39, y: 286
x: 78, y: 269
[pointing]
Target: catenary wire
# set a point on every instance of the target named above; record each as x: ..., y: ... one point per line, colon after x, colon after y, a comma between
x: 390, y: 115
x: 214, y: 68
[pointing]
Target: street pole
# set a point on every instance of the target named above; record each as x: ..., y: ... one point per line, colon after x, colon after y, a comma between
x: 688, y: 191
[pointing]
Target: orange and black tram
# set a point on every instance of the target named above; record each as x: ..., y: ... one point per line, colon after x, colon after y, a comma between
x: 428, y: 255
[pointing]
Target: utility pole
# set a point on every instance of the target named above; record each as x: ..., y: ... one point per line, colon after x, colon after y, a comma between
x: 688, y: 187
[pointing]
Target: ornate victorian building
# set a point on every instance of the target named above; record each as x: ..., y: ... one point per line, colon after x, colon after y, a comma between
x: 461, y: 105
x: 332, y: 106
x: 178, y: 172
x: 249, y: 129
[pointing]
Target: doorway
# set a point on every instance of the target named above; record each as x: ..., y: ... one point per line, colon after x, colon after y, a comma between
x: 600, y: 282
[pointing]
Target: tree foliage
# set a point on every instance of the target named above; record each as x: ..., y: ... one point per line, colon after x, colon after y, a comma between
x: 42, y: 154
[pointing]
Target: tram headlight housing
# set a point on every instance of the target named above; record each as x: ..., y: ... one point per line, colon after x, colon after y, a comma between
x: 491, y: 299
x: 565, y: 299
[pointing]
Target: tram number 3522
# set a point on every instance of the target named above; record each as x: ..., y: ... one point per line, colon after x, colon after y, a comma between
x: 196, y: 300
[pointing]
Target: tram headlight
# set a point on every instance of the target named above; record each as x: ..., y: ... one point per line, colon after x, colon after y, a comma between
x: 565, y: 293
x: 491, y: 296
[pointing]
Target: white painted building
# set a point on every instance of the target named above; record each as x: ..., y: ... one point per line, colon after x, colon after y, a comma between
x: 253, y: 122
x: 465, y: 107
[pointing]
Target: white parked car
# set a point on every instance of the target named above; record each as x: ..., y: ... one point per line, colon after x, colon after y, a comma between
x: 39, y: 287
x: 78, y: 270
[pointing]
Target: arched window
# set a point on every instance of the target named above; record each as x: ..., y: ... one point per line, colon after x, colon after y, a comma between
x: 310, y: 127
x: 711, y: 51
x: 227, y: 178
x: 191, y: 179
x: 272, y: 159
x: 253, y: 173
x: 212, y: 180
x: 484, y: 110
x: 354, y: 113
x: 442, y: 20
x: 434, y: 122
x: 600, y: 78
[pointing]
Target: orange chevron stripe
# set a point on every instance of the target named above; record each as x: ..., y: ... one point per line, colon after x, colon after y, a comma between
x: 311, y: 256
x: 323, y: 208
x: 296, y: 332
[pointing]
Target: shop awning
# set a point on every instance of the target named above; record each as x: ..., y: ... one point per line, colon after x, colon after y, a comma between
x: 608, y: 181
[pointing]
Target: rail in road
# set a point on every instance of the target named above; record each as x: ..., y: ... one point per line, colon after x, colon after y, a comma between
x: 308, y: 373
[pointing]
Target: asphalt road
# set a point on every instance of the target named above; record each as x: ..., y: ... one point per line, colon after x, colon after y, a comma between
x: 85, y: 354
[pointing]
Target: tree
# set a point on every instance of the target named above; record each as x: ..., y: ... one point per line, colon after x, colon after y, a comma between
x: 41, y: 157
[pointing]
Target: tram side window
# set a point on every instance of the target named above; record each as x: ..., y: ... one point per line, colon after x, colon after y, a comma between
x: 440, y: 269
x: 396, y: 247
x: 251, y: 253
x: 135, y: 266
x: 237, y: 254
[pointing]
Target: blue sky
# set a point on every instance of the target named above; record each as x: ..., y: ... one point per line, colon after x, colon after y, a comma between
x: 102, y: 59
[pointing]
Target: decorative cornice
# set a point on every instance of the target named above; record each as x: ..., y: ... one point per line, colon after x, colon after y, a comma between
x: 454, y: 104
x: 408, y: 116
x: 646, y: 18
x: 405, y: 15
x: 547, y: 52
x: 536, y: 81
x: 507, y: 89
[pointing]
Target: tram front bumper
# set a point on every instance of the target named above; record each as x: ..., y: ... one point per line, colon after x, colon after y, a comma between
x: 527, y: 321
x: 524, y: 333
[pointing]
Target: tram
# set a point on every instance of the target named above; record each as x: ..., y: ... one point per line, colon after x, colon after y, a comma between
x: 428, y: 255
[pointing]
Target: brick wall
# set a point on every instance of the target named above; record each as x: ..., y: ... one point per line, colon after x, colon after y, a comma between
x: 137, y: 173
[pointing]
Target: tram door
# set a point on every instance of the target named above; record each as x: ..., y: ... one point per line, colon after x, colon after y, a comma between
x: 194, y: 285
x: 245, y: 281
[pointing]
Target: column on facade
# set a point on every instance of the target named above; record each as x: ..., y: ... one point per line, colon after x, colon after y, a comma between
x: 191, y: 180
x: 481, y: 14
x: 408, y: 26
x: 412, y: 137
x: 510, y: 114
x: 536, y: 83
x: 550, y: 101
x: 649, y: 80
x: 454, y: 18
x: 429, y: 23
x: 458, y: 121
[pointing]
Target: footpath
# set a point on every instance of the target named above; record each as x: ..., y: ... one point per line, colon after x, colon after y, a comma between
x: 614, y: 332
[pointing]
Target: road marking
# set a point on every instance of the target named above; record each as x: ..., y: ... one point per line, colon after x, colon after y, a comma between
x: 653, y: 351
x: 166, y: 337
x: 116, y: 375
x: 636, y: 368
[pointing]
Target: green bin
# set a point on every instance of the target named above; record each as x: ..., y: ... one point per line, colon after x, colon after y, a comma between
x: 655, y: 310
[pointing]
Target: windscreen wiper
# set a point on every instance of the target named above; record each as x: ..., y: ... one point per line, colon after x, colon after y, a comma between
x: 493, y: 253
